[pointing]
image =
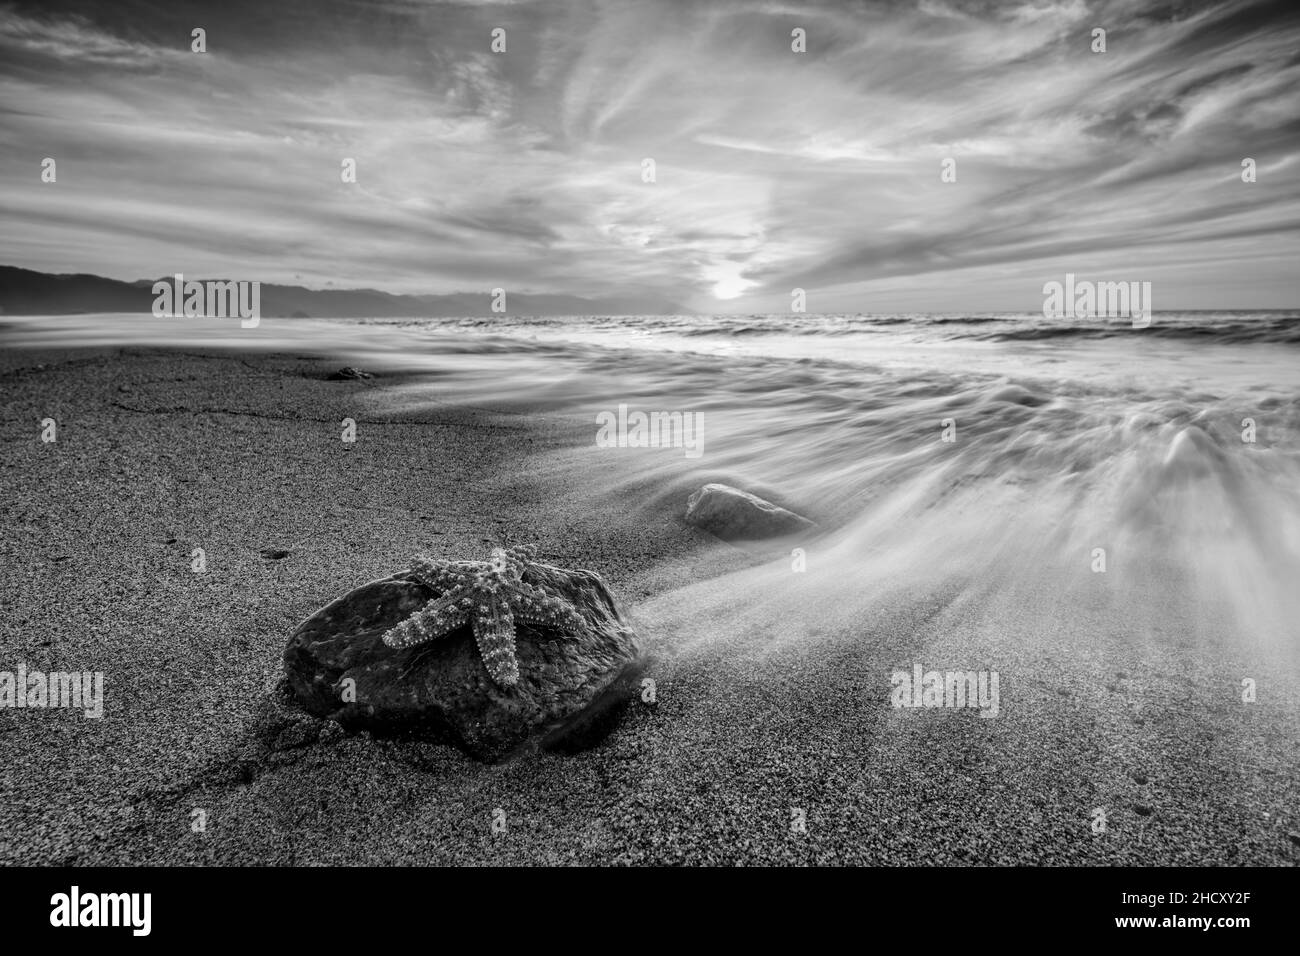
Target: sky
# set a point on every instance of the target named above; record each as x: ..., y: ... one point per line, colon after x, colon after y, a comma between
x: 774, y: 170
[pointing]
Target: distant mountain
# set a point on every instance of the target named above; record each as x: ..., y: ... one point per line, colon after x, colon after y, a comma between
x: 25, y: 292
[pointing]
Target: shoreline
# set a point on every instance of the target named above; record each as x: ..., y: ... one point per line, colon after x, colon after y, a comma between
x: 161, y: 451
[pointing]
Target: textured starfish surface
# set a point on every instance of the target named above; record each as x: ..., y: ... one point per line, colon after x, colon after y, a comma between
x: 490, y: 595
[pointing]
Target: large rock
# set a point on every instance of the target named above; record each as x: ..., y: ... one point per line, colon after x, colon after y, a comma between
x: 732, y: 515
x: 569, y: 687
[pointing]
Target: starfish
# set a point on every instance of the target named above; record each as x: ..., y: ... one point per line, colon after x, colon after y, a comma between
x: 492, y: 596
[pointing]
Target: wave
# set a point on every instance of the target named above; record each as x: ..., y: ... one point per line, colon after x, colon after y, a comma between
x: 961, y: 465
x: 1240, y: 327
x: 1265, y: 329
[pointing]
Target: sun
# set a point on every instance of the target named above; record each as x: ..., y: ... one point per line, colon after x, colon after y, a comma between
x: 729, y: 287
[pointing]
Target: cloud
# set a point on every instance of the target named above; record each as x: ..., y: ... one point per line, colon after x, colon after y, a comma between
x: 774, y: 169
x: 73, y: 40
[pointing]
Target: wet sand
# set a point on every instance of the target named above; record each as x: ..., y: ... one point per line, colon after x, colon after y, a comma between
x: 756, y: 724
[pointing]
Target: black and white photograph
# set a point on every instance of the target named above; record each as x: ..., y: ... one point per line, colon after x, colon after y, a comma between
x: 650, y: 433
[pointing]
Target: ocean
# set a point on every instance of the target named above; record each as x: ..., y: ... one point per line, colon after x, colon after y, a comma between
x: 1004, y: 453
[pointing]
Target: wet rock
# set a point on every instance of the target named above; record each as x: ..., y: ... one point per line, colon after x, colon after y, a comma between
x: 348, y: 374
x: 1017, y: 395
x: 338, y: 667
x: 732, y: 515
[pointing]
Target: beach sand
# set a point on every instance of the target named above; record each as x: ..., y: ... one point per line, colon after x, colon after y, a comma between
x: 160, y: 452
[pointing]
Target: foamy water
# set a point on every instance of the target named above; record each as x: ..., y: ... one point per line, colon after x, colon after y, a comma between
x: 1173, y: 449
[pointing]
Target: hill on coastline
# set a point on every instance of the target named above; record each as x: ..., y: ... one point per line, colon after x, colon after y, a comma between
x: 27, y: 292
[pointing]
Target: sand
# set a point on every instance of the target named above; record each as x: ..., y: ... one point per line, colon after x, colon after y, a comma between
x: 161, y: 452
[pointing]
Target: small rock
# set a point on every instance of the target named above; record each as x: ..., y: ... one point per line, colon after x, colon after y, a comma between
x: 1295, y: 837
x: 1016, y: 395
x: 732, y: 514
x: 348, y: 374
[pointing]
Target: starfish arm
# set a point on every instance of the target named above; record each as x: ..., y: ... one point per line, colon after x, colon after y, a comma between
x: 491, y: 595
x: 522, y: 556
x: 514, y: 561
x: 439, y: 617
x: 535, y: 605
x: 438, y: 574
x: 494, y: 632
